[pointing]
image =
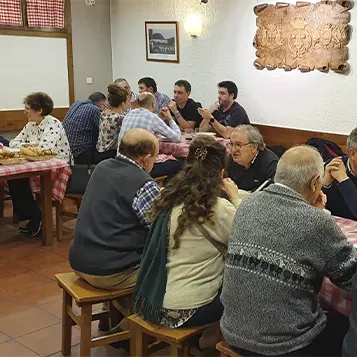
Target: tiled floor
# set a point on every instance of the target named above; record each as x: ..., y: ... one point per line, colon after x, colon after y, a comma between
x: 30, y: 300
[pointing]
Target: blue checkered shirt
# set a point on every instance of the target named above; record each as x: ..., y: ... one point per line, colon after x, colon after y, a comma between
x: 143, y: 118
x: 144, y: 198
x: 162, y: 101
x: 81, y: 126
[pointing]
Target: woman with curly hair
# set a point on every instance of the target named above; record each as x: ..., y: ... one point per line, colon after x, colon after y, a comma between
x: 181, y: 272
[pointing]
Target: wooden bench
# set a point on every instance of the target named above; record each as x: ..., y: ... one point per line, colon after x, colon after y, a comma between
x: 180, y: 339
x: 85, y: 297
x: 226, y: 350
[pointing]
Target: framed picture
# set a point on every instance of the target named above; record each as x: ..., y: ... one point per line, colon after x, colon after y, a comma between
x: 162, y: 41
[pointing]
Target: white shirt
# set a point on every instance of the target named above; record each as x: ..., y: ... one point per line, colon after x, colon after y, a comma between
x: 48, y: 135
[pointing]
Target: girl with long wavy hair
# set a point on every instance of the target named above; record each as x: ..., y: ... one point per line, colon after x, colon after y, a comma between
x: 181, y: 272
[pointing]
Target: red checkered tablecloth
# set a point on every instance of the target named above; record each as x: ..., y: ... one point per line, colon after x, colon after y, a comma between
x: 10, y: 12
x: 330, y: 295
x: 60, y: 173
x: 181, y: 149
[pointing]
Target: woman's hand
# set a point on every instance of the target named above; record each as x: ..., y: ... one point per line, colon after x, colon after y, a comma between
x: 230, y: 188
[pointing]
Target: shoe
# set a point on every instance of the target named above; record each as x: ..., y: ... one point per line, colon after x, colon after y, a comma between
x: 32, y: 228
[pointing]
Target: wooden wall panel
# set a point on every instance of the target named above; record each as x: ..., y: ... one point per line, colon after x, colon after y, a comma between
x: 288, y: 137
x: 15, y: 120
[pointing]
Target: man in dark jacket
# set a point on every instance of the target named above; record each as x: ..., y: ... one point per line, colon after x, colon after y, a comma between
x: 112, y: 223
x: 340, y: 181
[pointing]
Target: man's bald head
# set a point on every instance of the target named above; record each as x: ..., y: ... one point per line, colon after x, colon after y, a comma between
x: 298, y: 167
x: 147, y: 100
x: 137, y: 143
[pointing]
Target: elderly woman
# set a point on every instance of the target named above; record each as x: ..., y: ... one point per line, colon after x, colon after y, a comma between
x: 282, y: 246
x: 250, y: 163
x: 111, y: 121
x: 180, y: 276
x: 46, y: 132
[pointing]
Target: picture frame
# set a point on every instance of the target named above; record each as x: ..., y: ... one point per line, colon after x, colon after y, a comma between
x: 162, y: 41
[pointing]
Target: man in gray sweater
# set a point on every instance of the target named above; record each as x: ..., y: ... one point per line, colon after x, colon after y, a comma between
x: 281, y: 247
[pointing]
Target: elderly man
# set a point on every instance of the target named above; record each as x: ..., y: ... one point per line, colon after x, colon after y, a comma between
x: 185, y: 109
x: 148, y: 84
x: 81, y: 125
x: 223, y: 116
x: 281, y: 247
x: 145, y: 118
x: 250, y: 163
x: 123, y: 83
x: 340, y: 181
x: 112, y: 224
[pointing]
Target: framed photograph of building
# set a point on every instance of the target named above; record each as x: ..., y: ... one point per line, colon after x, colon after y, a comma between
x: 162, y: 41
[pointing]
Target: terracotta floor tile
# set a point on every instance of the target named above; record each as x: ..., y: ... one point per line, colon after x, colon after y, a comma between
x: 98, y: 352
x: 10, y: 267
x: 40, y: 258
x: 49, y: 270
x: 18, y: 249
x: 10, y: 304
x: 4, y: 338
x: 53, y: 307
x: 15, y: 349
x: 22, y: 323
x: 48, y: 340
x: 40, y: 295
x: 22, y: 281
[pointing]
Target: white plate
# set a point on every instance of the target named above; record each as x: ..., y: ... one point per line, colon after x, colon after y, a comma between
x: 10, y: 149
x: 207, y: 133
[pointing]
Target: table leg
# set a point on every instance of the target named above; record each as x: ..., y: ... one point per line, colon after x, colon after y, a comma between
x: 46, y: 193
x: 2, y: 183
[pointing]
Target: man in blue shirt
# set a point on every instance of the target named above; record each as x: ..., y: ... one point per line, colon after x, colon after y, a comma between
x: 81, y: 125
x: 340, y: 181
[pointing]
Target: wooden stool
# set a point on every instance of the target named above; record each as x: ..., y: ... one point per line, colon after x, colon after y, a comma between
x: 85, y: 297
x: 179, y: 339
x: 226, y: 350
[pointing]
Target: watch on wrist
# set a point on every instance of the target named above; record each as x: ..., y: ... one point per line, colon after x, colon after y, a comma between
x: 211, y: 121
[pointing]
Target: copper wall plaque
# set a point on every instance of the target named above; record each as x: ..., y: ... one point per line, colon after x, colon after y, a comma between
x: 305, y: 36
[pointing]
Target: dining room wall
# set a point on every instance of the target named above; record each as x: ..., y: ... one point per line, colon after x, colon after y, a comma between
x: 316, y: 101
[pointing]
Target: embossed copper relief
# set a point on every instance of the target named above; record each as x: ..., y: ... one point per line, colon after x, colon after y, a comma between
x: 305, y: 36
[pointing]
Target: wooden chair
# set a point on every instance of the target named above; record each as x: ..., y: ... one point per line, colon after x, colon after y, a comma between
x: 180, y: 340
x: 61, y: 212
x: 85, y: 297
x: 160, y: 180
x: 226, y: 350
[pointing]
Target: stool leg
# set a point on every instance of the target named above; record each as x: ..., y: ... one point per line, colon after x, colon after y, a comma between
x: 179, y: 351
x: 59, y: 221
x: 86, y: 329
x: 66, y: 324
x: 139, y: 342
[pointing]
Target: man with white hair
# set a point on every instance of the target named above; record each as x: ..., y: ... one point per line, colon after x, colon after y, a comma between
x: 250, y: 163
x: 281, y: 247
x: 340, y: 181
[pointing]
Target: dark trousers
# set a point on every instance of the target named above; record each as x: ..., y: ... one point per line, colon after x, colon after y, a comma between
x: 168, y: 168
x: 327, y: 344
x: 24, y: 204
x: 206, y: 314
x: 100, y: 156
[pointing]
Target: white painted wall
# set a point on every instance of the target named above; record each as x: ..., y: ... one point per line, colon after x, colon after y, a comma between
x: 313, y: 101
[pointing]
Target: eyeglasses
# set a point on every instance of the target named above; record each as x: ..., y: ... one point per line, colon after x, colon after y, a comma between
x: 238, y: 146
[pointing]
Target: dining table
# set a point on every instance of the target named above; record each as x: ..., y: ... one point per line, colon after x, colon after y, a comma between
x: 331, y: 296
x: 47, y: 177
x: 181, y: 149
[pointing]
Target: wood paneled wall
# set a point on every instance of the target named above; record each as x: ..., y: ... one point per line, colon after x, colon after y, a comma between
x: 15, y: 120
x: 288, y: 137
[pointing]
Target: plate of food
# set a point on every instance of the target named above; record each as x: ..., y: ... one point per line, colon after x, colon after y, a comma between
x: 8, y: 157
x: 207, y: 133
x: 33, y: 153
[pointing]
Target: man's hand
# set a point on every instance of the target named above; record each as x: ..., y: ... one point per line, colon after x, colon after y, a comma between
x: 334, y: 165
x: 230, y: 188
x: 173, y: 106
x: 205, y: 114
x: 214, y: 107
x: 165, y: 114
x: 321, y: 201
x: 340, y: 174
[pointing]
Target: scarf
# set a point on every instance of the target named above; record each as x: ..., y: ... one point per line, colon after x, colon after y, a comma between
x: 152, y: 275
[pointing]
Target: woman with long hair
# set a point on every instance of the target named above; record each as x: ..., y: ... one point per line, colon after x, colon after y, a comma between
x: 181, y: 272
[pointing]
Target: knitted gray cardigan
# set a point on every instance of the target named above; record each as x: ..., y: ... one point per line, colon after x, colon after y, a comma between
x: 280, y: 249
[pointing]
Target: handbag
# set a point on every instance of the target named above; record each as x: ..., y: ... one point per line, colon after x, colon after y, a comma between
x: 222, y: 248
x: 81, y: 174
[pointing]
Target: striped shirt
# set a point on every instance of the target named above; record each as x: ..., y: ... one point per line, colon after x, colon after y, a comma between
x: 162, y: 101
